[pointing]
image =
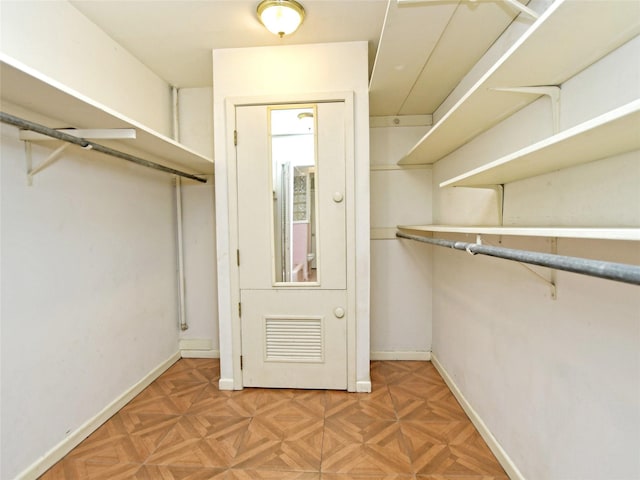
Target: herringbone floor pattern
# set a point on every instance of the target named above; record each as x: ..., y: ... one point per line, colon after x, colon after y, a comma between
x: 183, y: 428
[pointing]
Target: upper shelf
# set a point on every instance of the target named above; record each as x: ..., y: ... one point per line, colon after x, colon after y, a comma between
x: 568, y: 37
x: 612, y: 133
x: 31, y: 90
x: 559, y: 232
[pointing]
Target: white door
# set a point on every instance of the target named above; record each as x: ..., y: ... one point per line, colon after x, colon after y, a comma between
x: 292, y: 245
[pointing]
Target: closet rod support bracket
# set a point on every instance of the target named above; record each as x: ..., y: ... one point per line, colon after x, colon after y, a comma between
x: 29, y: 136
x: 553, y: 272
x: 550, y: 282
x: 47, y: 162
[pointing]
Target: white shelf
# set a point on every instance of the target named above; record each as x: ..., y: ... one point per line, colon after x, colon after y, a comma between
x: 568, y: 37
x: 559, y: 232
x: 29, y: 89
x: 612, y: 133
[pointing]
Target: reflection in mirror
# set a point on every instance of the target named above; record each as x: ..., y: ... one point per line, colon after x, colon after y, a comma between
x: 293, y: 161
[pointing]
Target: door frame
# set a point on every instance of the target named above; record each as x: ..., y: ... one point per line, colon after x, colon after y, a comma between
x: 227, y: 245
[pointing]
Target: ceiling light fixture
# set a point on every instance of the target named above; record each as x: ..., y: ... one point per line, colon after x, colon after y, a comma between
x: 281, y: 17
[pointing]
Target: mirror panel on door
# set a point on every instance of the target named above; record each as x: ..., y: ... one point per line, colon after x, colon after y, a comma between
x: 259, y: 237
x: 293, y: 145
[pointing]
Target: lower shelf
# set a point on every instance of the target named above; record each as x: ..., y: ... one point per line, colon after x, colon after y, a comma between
x: 630, y: 233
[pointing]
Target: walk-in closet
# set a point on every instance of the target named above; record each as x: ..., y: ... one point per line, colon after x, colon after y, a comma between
x: 378, y: 239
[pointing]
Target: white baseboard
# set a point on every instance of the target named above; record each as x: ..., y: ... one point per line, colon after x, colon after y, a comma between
x: 492, y: 443
x: 200, y: 353
x: 73, y: 440
x: 423, y: 356
x: 226, y: 384
x: 363, y: 386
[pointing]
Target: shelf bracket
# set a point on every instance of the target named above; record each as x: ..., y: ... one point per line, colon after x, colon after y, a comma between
x: 499, y: 189
x: 523, y: 8
x: 47, y: 162
x: 551, y: 281
x: 552, y: 91
x: 28, y: 136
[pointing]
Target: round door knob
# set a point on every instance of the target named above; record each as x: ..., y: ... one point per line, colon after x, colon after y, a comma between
x: 339, y: 312
x: 338, y: 197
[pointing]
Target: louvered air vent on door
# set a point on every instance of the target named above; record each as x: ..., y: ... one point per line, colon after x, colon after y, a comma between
x: 298, y: 339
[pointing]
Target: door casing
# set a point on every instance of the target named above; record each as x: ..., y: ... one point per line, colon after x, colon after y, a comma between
x: 350, y: 201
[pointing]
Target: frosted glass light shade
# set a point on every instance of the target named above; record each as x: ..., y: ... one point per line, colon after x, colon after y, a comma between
x: 281, y: 17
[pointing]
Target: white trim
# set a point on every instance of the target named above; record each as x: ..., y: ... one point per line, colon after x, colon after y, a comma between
x: 501, y: 455
x: 187, y: 353
x: 363, y: 386
x: 226, y: 384
x: 73, y: 440
x: 385, y: 355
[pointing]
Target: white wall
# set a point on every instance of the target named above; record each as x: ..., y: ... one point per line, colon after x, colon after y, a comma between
x: 199, y: 238
x: 195, y: 113
x: 54, y: 38
x: 88, y: 291
x: 88, y: 252
x: 287, y: 71
x: 400, y: 271
x: 557, y: 382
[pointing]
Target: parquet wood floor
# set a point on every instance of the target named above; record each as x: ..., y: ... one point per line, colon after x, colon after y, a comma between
x: 183, y: 428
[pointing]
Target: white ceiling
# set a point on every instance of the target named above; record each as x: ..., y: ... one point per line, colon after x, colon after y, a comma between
x: 423, y: 50
x: 175, y: 38
x: 451, y: 35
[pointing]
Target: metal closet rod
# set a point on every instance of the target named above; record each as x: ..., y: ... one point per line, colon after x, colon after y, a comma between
x: 84, y: 143
x: 619, y: 272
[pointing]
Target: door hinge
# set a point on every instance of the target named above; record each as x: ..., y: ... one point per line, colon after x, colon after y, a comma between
x: 241, y: 362
x: 238, y: 256
x: 239, y: 309
x: 235, y: 137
